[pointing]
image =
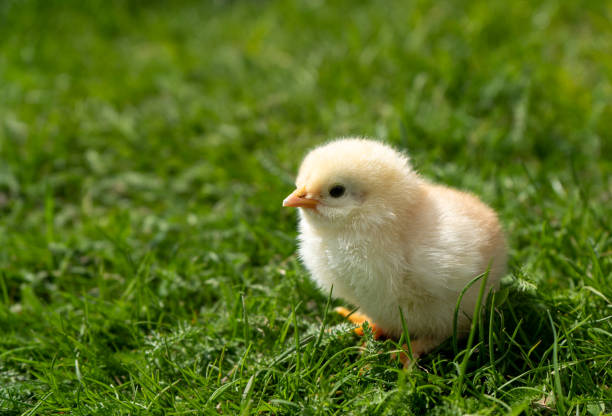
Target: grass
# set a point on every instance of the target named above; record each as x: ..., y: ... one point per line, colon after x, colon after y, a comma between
x: 146, y: 266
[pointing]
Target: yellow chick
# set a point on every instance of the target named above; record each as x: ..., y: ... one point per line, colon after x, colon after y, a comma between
x: 384, y: 238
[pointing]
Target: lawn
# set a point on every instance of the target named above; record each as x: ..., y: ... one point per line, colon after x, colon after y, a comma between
x: 146, y: 263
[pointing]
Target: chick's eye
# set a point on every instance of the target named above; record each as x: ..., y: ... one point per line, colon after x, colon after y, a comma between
x: 337, y: 191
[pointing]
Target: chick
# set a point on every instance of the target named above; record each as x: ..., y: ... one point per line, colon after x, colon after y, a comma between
x: 384, y: 238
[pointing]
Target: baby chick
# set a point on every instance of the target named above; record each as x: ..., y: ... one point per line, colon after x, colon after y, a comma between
x: 384, y: 238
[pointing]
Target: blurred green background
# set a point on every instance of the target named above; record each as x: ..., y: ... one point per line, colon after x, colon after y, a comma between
x: 146, y: 265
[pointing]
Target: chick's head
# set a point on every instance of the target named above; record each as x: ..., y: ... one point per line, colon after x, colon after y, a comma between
x: 354, y: 182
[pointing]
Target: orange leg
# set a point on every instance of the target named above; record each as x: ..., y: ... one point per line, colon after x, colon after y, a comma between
x: 419, y: 347
x: 405, y: 358
x: 358, y: 319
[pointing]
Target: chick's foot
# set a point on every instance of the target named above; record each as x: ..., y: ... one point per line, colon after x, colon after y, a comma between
x: 419, y: 347
x: 359, y: 319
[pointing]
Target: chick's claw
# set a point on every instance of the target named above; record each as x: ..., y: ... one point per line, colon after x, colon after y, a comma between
x: 359, y: 319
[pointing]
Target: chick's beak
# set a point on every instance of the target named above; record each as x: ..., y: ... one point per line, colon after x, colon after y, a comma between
x: 298, y: 198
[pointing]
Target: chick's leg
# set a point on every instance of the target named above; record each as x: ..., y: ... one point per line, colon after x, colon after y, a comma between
x: 358, y: 319
x: 419, y: 347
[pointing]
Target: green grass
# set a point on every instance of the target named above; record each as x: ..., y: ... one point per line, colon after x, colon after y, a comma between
x: 146, y: 264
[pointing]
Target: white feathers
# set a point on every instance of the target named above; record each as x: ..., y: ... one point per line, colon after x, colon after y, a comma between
x: 393, y: 240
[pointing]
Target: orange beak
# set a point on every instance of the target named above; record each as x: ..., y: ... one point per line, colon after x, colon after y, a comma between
x: 298, y: 199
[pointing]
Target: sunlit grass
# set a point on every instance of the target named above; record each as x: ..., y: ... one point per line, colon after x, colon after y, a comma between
x: 146, y: 265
